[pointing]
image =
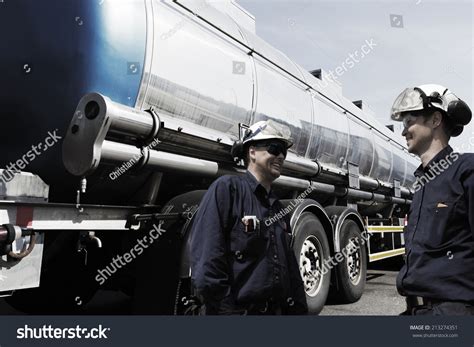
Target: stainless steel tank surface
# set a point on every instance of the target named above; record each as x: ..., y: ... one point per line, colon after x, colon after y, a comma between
x: 207, y: 78
x: 199, y: 63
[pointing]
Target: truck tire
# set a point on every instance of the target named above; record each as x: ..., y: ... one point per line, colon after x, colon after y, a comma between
x: 353, y: 270
x: 311, y: 248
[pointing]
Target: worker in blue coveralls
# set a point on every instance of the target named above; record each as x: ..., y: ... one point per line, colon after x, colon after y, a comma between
x: 240, y: 264
x: 438, y: 276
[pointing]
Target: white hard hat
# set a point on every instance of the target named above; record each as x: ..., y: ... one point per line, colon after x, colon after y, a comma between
x: 268, y: 129
x: 435, y: 97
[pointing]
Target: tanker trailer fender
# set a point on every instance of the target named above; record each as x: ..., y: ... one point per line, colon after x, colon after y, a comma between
x: 350, y: 245
x: 338, y: 215
x: 312, y: 243
x: 186, y: 300
x: 192, y: 200
x: 159, y: 293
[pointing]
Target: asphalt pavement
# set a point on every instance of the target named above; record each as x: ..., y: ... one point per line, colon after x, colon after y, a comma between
x: 380, y: 297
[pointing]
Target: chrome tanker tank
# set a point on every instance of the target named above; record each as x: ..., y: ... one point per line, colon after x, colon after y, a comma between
x: 198, y: 63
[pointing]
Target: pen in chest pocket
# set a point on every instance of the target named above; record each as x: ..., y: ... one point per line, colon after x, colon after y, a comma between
x: 251, y: 223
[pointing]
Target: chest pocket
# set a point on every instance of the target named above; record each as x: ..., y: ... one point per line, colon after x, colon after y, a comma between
x: 438, y: 224
x: 247, y: 244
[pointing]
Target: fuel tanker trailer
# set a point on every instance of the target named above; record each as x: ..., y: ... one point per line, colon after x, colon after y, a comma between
x: 117, y: 115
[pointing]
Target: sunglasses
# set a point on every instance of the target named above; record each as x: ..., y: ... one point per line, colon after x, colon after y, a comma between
x: 408, y: 120
x: 274, y: 148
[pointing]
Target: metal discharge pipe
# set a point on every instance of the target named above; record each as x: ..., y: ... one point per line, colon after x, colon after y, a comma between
x: 124, y: 120
x: 100, y: 125
x: 115, y: 152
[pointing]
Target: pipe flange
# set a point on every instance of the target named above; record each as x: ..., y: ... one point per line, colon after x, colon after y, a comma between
x: 319, y: 168
x: 143, y: 161
x: 379, y: 184
x: 155, y: 129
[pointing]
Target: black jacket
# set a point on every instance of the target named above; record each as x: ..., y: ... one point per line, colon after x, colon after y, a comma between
x: 233, y: 268
x: 439, y: 237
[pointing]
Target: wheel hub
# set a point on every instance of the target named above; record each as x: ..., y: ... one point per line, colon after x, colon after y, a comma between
x: 354, y: 263
x: 311, y: 265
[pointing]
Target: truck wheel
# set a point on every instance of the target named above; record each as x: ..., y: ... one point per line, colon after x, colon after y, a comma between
x: 311, y: 248
x: 353, y: 270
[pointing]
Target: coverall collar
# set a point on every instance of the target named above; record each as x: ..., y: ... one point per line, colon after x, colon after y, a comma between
x: 420, y: 171
x: 257, y: 188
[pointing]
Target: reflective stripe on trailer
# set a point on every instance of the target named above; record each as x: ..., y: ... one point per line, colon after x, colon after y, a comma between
x: 386, y: 254
x: 385, y: 228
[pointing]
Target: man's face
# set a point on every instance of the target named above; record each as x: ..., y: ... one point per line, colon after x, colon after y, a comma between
x: 268, y: 158
x: 417, y: 132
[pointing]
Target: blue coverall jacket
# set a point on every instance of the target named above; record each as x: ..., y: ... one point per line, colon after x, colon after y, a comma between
x: 439, y: 237
x: 233, y: 268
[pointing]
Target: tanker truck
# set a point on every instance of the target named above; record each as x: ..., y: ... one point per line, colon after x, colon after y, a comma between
x: 117, y: 115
